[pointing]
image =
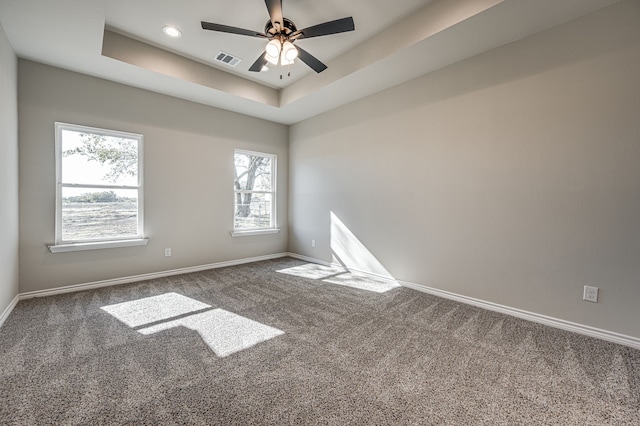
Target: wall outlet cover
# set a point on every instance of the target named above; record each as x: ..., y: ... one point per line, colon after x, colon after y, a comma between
x: 590, y: 294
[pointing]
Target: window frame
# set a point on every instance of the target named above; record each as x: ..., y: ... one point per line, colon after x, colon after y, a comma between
x: 103, y: 242
x: 273, y: 226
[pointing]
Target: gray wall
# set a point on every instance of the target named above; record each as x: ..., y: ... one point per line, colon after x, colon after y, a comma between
x: 8, y: 173
x: 512, y: 177
x: 188, y: 177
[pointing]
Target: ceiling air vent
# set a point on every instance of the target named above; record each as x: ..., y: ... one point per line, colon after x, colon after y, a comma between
x: 227, y: 59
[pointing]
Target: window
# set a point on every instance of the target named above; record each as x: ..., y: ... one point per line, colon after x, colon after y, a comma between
x: 255, y: 191
x: 99, y: 196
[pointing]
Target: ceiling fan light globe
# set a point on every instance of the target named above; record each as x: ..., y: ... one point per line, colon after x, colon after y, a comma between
x: 271, y: 60
x: 289, y: 51
x: 273, y: 50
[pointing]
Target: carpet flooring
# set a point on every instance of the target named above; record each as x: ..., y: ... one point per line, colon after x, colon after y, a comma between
x: 284, y: 342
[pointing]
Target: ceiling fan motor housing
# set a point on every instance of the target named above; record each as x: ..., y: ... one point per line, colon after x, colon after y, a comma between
x: 287, y: 28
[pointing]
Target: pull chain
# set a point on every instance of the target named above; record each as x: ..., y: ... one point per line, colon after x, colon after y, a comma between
x: 288, y: 72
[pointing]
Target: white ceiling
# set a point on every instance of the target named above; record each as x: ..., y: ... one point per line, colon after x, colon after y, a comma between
x: 393, y: 42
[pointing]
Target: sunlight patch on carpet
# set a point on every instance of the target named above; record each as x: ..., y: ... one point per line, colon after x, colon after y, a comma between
x: 340, y: 276
x: 313, y: 271
x: 156, y: 308
x: 223, y: 331
x: 363, y: 282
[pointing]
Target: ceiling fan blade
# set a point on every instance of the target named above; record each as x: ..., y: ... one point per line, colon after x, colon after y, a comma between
x: 332, y: 27
x: 275, y: 12
x: 310, y: 60
x: 231, y: 30
x: 259, y: 63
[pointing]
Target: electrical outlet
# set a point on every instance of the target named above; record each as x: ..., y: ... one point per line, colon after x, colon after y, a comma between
x: 590, y: 294
x: 167, y: 252
x: 313, y: 243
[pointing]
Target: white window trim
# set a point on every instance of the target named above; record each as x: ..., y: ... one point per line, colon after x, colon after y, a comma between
x: 61, y: 245
x: 63, y: 248
x: 248, y: 233
x: 273, y: 229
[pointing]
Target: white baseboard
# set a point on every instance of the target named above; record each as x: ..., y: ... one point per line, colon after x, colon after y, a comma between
x: 143, y: 277
x: 586, y: 330
x: 8, y: 309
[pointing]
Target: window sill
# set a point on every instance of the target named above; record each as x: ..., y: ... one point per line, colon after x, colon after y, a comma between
x: 254, y: 232
x: 63, y: 248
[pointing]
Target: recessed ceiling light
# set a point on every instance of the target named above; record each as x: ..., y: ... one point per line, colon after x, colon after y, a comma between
x: 171, y: 31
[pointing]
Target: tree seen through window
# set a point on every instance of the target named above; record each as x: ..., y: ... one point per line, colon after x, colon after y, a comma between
x: 254, y: 190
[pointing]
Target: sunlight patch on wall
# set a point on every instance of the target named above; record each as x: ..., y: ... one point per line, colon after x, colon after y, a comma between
x: 224, y: 332
x: 349, y: 251
x: 354, y: 265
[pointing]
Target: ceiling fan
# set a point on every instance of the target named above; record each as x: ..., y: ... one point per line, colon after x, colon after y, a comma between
x: 282, y: 33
